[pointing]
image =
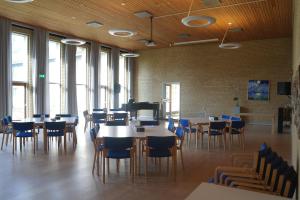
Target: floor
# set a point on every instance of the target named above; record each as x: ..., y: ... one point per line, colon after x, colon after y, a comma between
x: 68, y: 176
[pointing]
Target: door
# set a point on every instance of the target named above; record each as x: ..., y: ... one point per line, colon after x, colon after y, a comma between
x: 19, y: 101
x: 171, y: 100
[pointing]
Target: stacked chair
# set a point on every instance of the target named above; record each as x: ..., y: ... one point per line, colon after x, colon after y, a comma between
x: 268, y: 174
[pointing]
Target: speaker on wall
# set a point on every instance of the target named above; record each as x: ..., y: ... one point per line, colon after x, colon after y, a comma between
x: 117, y: 88
x: 284, y: 88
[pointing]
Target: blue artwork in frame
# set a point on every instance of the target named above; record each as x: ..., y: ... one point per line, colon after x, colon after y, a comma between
x: 258, y: 90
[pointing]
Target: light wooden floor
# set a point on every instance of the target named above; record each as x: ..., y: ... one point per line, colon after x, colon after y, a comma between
x: 68, y: 176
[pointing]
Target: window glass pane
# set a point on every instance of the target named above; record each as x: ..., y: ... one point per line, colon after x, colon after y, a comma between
x: 81, y: 98
x: 54, y: 61
x: 54, y: 99
x: 20, y: 57
x: 81, y: 65
x: 122, y: 80
x: 18, y: 102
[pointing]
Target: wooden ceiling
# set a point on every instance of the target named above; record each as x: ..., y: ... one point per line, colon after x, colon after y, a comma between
x: 259, y: 19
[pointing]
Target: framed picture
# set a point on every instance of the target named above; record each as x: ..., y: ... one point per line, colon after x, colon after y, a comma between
x: 258, y: 90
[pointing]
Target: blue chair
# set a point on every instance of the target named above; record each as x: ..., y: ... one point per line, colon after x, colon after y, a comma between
x: 54, y: 129
x: 225, y: 117
x: 9, y: 119
x: 98, y: 147
x: 187, y: 127
x: 115, y: 109
x: 171, y: 126
x: 99, y: 118
x: 119, y: 148
x: 235, y: 118
x: 6, y: 131
x: 23, y: 130
x: 237, y: 128
x: 98, y: 109
x: 217, y: 129
x: 40, y: 115
x: 180, y: 139
x: 58, y: 116
x: 161, y: 147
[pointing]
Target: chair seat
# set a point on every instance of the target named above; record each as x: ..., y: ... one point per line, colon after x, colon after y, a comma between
x: 235, y: 131
x: 159, y: 153
x: 215, y: 132
x: 24, y: 134
x: 55, y: 134
x: 118, y: 154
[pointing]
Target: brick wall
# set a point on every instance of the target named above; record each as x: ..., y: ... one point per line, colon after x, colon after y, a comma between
x: 211, y: 77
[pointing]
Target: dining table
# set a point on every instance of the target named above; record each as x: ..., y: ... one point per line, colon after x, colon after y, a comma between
x: 131, y: 131
x: 39, y: 122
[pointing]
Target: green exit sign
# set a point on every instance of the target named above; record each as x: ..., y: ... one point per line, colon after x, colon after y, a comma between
x: 42, y: 76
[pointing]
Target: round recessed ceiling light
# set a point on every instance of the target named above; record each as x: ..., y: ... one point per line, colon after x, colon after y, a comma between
x: 121, y: 32
x: 19, y: 1
x: 187, y: 21
x: 230, y: 45
x: 130, y: 55
x: 75, y: 42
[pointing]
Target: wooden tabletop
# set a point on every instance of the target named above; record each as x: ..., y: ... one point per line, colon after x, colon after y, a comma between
x: 130, y: 131
x: 216, y: 192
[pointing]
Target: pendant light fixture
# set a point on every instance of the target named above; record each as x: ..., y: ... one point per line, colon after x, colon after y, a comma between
x: 229, y: 45
x: 188, y: 19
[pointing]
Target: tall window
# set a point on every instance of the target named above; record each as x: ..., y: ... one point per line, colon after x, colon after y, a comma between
x: 105, y: 89
x: 21, y: 74
x: 55, y: 77
x: 123, y: 80
x: 81, y: 79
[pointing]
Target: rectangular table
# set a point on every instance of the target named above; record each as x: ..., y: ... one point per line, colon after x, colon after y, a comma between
x: 39, y: 123
x: 130, y: 131
x: 206, y: 191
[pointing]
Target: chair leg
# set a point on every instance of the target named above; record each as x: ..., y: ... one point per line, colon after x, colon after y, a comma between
x: 108, y: 171
x: 103, y: 170
x: 3, y: 140
x: 146, y: 165
x: 243, y: 141
x: 20, y: 144
x: 94, y: 162
x: 14, y: 145
x: 174, y: 163
x: 168, y: 166
x: 224, y: 141
x: 209, y: 138
x: 181, y: 156
x: 33, y: 144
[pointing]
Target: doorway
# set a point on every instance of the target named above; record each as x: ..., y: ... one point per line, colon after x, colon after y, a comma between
x: 171, y: 100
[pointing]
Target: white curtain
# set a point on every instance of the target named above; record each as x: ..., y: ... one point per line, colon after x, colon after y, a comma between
x: 5, y: 68
x: 40, y: 67
x: 71, y: 79
x: 130, y: 71
x: 115, y: 53
x: 94, y: 62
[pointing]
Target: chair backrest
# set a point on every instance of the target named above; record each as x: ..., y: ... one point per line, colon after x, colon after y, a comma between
x: 23, y: 126
x: 184, y: 123
x: 238, y: 124
x: 289, y: 183
x: 9, y: 118
x: 120, y: 116
x: 171, y: 126
x: 179, y: 132
x: 55, y: 126
x: 85, y: 113
x: 36, y: 115
x: 63, y: 115
x: 115, y: 109
x: 118, y: 143
x: 97, y: 116
x: 225, y: 117
x: 161, y: 143
x: 235, y: 118
x: 5, y: 122
x: 116, y: 123
x: 98, y: 109
x: 217, y: 125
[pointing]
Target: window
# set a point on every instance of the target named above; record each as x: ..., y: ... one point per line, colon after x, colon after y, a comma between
x: 22, y: 105
x: 56, y: 77
x: 123, y: 80
x: 81, y: 79
x: 105, y: 79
